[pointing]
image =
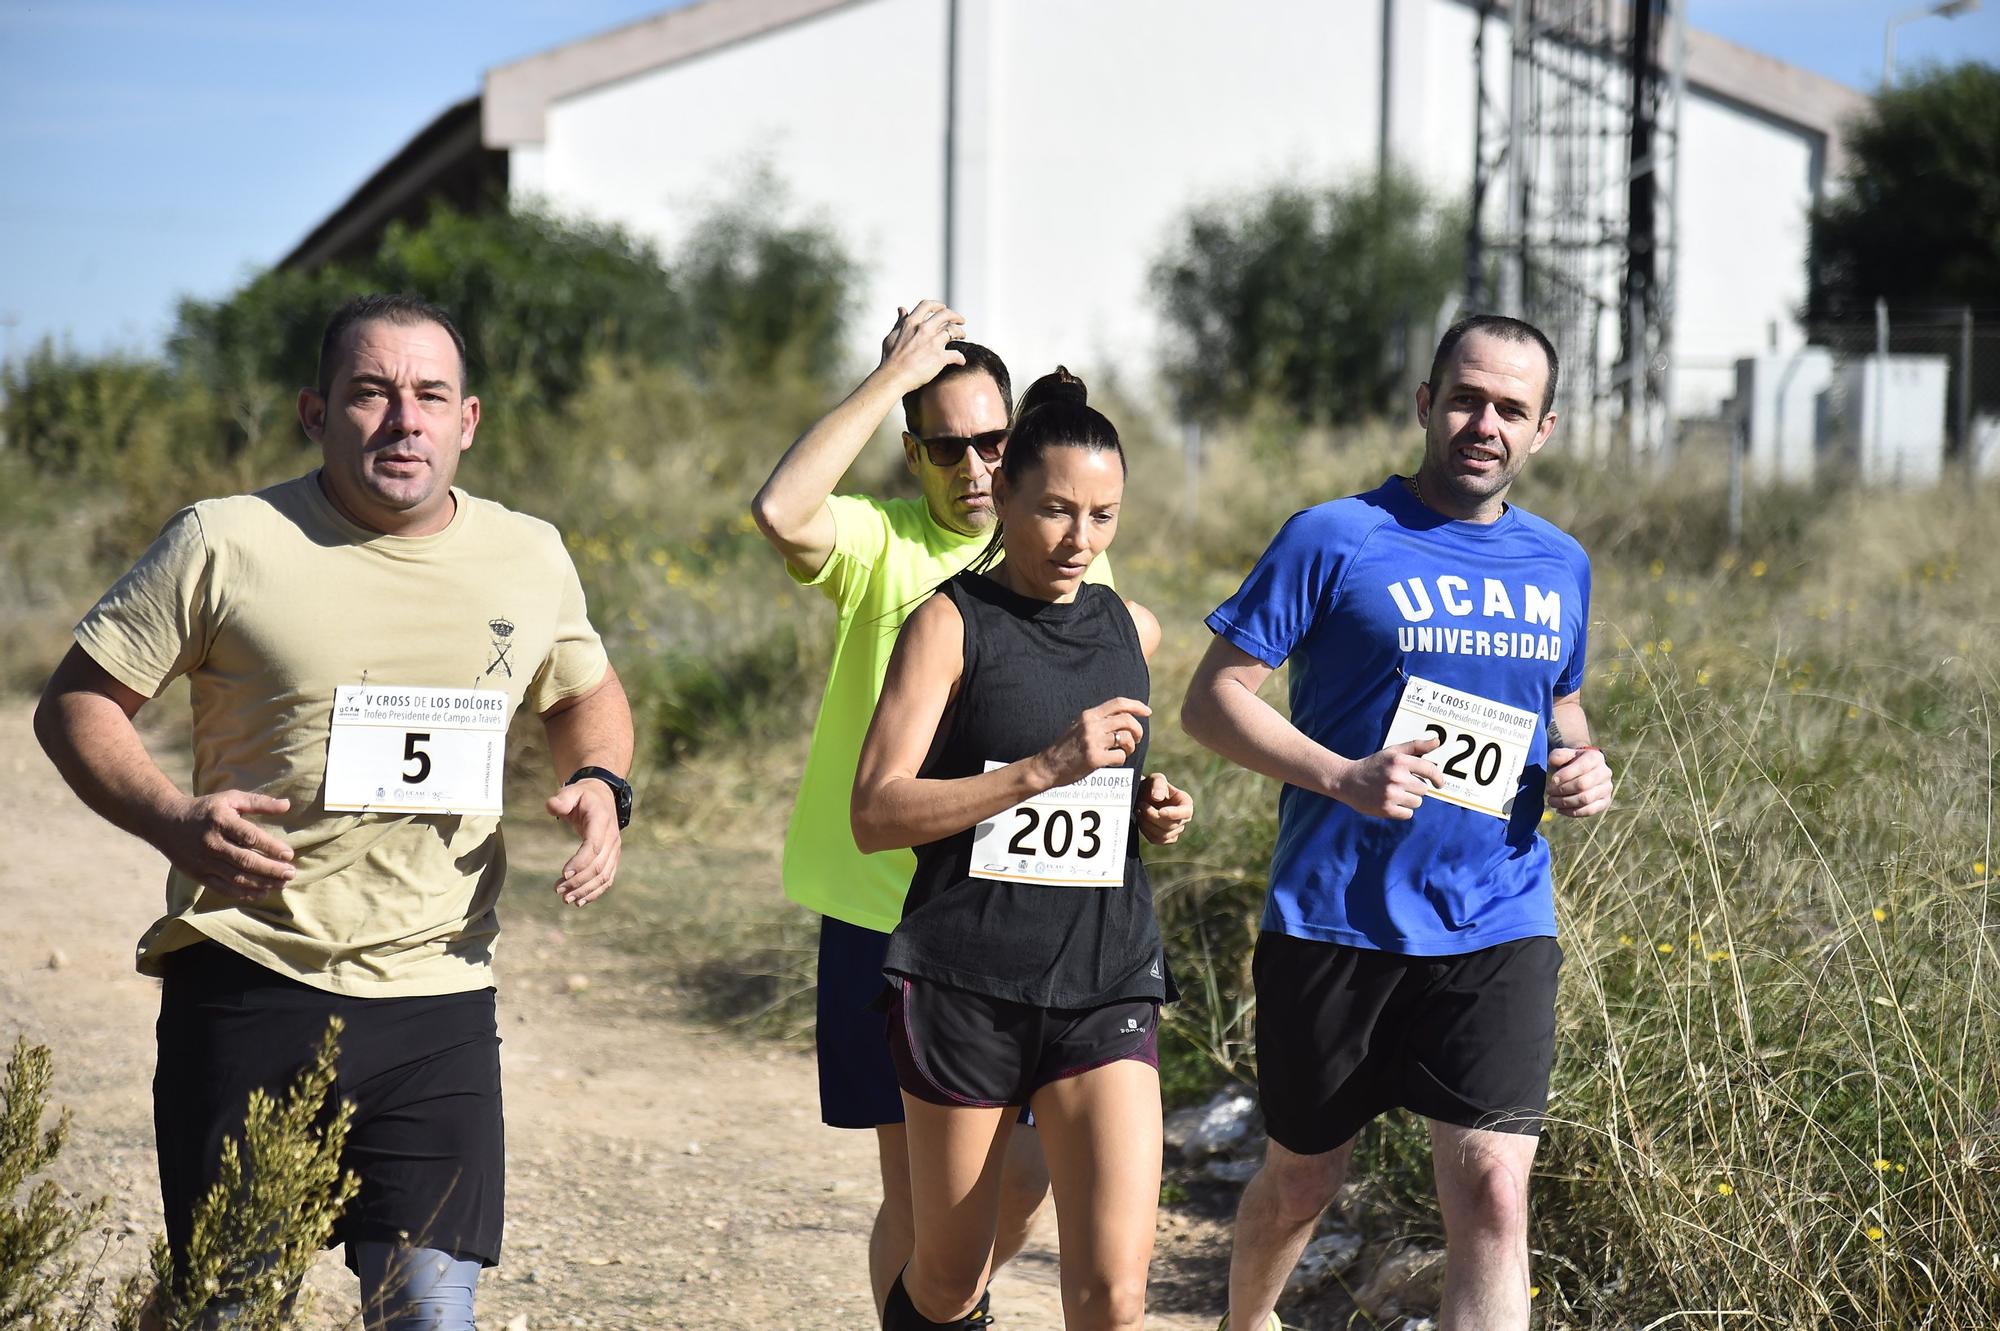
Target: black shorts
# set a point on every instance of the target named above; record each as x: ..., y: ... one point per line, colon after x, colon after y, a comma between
x: 423, y: 1075
x: 857, y: 1082
x: 1345, y: 1034
x: 956, y: 1048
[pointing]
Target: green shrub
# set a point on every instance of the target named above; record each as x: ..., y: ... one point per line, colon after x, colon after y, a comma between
x: 540, y: 297
x: 273, y: 1207
x: 38, y: 1233
x: 1307, y: 299
x: 255, y: 1234
x: 74, y: 416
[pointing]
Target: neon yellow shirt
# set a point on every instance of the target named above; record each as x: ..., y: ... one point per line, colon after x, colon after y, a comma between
x: 888, y: 556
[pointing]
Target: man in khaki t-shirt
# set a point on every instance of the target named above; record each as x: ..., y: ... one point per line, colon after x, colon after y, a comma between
x: 355, y: 641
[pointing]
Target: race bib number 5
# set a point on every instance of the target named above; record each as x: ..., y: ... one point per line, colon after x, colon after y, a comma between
x: 416, y: 750
x: 1482, y: 744
x: 1071, y: 836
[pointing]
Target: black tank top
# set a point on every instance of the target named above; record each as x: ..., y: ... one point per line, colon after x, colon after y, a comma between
x: 1030, y: 667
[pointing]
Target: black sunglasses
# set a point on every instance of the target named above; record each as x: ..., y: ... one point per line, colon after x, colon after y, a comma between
x: 946, y: 450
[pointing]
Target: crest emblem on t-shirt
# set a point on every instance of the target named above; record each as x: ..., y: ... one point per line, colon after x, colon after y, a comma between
x: 503, y: 633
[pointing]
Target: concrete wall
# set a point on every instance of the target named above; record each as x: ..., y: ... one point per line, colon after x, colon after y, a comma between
x: 1084, y: 133
x: 845, y: 109
x: 1103, y: 123
x: 1748, y: 184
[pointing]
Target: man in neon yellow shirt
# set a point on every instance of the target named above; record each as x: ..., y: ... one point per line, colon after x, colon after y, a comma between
x: 877, y: 560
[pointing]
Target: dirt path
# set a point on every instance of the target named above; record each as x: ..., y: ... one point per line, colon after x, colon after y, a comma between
x: 659, y: 1174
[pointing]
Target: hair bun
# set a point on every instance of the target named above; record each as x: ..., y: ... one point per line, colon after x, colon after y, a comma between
x: 1058, y: 386
x: 1066, y: 387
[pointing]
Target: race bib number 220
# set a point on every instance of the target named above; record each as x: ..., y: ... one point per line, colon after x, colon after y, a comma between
x: 416, y: 750
x: 1482, y: 744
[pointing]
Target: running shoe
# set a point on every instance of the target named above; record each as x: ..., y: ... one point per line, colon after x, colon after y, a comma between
x: 981, y: 1316
x: 1271, y: 1323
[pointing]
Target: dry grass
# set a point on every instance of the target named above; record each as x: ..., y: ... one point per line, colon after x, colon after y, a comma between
x: 1775, y: 1101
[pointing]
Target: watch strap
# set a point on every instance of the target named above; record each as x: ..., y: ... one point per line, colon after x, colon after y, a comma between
x: 621, y: 789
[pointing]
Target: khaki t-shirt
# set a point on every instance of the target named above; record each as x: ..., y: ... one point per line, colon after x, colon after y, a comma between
x: 269, y: 601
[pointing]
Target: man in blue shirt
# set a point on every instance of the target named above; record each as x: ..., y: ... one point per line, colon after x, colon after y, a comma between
x: 1407, y: 956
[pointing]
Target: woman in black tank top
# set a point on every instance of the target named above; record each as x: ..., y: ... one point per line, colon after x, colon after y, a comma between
x: 1007, y: 748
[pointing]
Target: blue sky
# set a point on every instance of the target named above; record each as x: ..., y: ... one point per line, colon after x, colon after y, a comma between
x: 157, y: 148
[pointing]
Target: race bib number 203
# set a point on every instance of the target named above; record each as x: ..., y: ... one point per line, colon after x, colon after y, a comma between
x: 1071, y: 836
x: 416, y: 750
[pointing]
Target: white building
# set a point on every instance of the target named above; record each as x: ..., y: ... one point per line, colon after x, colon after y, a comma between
x: 1029, y: 159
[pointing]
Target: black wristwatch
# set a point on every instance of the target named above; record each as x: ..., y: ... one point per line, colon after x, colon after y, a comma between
x: 621, y: 790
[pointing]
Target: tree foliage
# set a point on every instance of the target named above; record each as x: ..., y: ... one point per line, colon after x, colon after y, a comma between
x: 538, y: 296
x: 1917, y: 220
x: 541, y: 300
x: 1304, y: 297
x: 63, y: 410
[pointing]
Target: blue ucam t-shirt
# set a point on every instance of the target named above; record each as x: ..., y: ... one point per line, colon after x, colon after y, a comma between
x: 1358, y: 595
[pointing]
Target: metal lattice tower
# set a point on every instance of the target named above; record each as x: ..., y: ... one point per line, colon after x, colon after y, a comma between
x: 1576, y: 156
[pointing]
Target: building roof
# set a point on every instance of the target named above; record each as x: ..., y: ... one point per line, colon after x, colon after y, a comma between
x: 1773, y: 88
x: 518, y: 94
x: 462, y: 155
x: 444, y: 162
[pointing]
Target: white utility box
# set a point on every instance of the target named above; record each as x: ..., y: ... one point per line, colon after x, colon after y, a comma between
x: 1893, y: 424
x: 1782, y: 396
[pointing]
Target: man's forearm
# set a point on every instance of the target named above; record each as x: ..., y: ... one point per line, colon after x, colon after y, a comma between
x: 812, y: 467
x: 1568, y: 727
x: 1224, y: 716
x: 593, y: 731
x: 96, y: 748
